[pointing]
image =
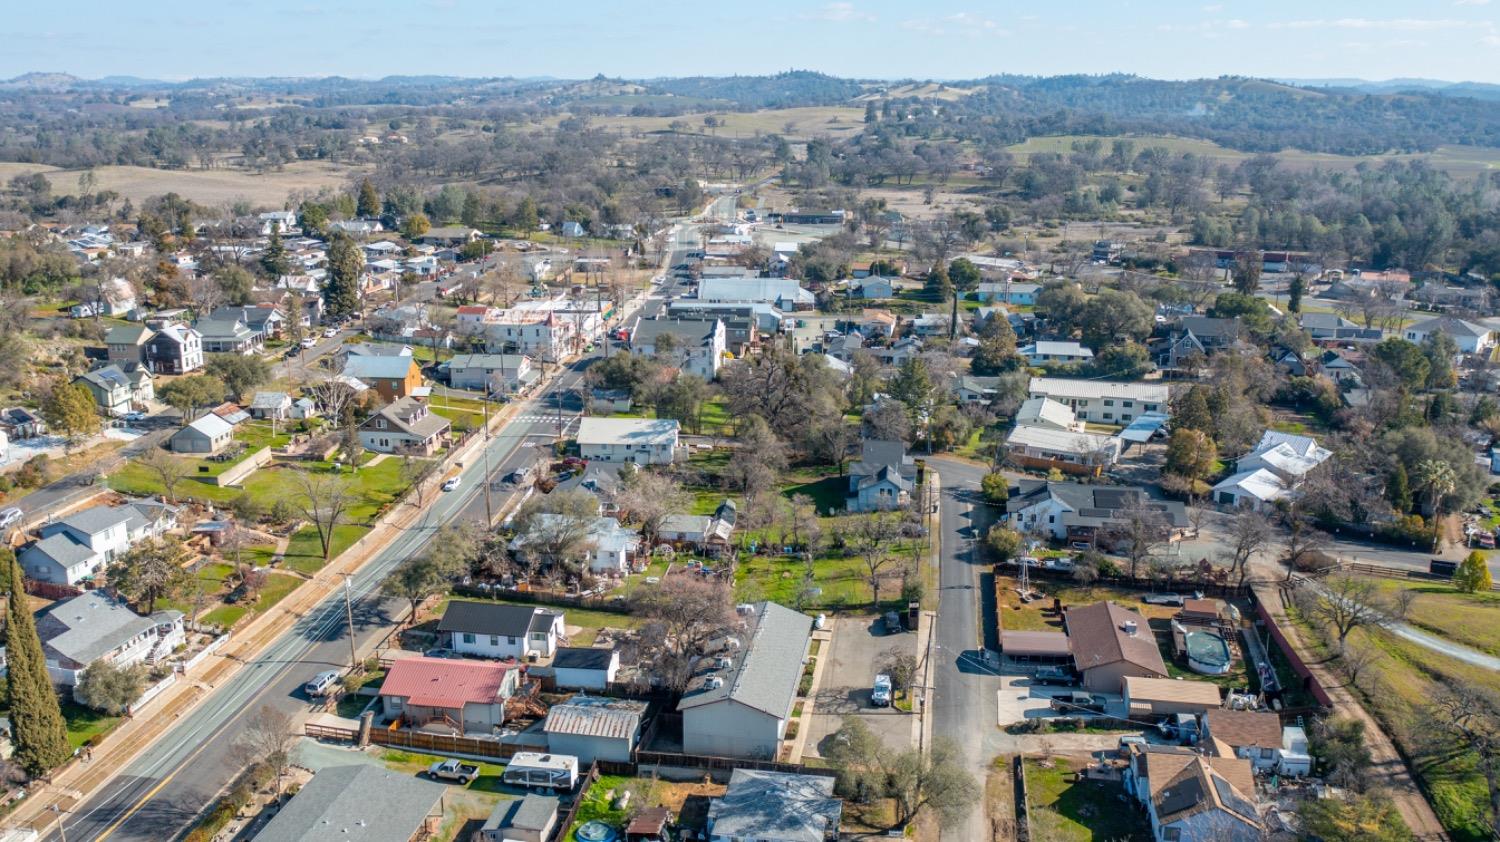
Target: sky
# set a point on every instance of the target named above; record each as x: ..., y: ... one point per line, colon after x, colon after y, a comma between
x: 1456, y: 40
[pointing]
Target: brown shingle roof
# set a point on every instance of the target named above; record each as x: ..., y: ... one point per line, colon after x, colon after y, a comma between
x: 1098, y: 637
x: 1171, y: 690
x: 1245, y: 728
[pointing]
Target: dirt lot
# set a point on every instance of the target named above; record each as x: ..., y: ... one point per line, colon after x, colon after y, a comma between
x: 852, y: 658
x: 207, y: 187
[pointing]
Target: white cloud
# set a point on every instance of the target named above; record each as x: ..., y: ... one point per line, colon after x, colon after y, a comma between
x: 1471, y: 2
x: 841, y: 13
x: 959, y: 23
x: 1236, y: 24
x: 1386, y: 24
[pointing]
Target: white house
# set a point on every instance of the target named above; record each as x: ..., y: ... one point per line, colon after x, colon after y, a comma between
x: 498, y: 374
x: 1271, y: 471
x: 78, y: 546
x: 493, y: 630
x: 739, y: 706
x: 643, y: 441
x: 610, y: 545
x: 1102, y: 401
x: 784, y: 293
x: 1045, y: 351
x: 1470, y: 338
x: 1045, y: 412
x: 205, y: 435
x: 694, y: 345
x: 93, y: 626
x: 585, y: 667
x: 278, y: 222
x: 1048, y: 447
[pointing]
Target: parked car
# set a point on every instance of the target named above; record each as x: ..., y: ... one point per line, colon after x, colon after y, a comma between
x: 321, y: 684
x: 10, y: 517
x: 1053, y: 675
x: 133, y: 416
x: 453, y: 770
x: 331, y: 332
x: 1058, y: 563
x: 1074, y: 702
x: 880, y: 696
x: 450, y: 484
x: 892, y: 623
x: 441, y: 653
x: 819, y: 622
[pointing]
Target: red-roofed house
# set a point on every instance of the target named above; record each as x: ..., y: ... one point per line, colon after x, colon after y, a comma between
x: 467, y: 696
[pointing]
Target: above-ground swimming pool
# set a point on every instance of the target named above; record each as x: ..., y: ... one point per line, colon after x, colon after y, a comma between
x: 1207, y: 653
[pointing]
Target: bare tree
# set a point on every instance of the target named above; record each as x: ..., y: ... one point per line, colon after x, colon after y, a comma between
x: 1250, y: 533
x: 1472, y: 715
x: 647, y: 498
x: 871, y: 538
x: 1138, y: 531
x: 168, y: 469
x: 324, y: 500
x: 1401, y: 605
x: 1356, y: 659
x: 334, y: 397
x: 684, y: 613
x: 1302, y: 543
x: 269, y: 738
x: 1346, y: 603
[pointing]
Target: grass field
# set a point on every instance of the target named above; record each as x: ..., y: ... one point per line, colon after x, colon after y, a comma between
x: 208, y: 187
x: 1459, y: 161
x: 812, y: 121
x: 1064, y: 810
x: 1465, y: 618
x: 1398, y: 690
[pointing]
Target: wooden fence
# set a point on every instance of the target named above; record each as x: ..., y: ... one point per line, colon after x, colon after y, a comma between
x: 1398, y: 573
x: 444, y: 744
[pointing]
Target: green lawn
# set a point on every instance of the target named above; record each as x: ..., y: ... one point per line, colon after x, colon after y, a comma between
x: 713, y: 417
x: 596, y: 805
x: 276, y: 588
x: 1465, y: 618
x: 415, y: 763
x: 829, y: 493
x: 1064, y: 810
x: 464, y: 413
x: 85, y: 724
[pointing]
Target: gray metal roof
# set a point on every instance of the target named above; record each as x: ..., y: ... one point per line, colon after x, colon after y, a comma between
x: 532, y: 812
x: 776, y: 805
x: 366, y: 802
x: 596, y: 716
x: 765, y: 669
x: 89, y: 626
x: 378, y: 367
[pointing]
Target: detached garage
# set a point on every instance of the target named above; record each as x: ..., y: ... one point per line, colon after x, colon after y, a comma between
x: 594, y: 728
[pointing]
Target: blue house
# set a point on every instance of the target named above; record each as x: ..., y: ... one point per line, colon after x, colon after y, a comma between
x: 883, y: 478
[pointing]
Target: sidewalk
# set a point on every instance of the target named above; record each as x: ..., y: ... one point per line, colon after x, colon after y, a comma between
x: 1388, y: 767
x: 75, y: 782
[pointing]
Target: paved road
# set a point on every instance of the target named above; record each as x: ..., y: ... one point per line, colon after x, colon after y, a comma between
x: 965, y: 701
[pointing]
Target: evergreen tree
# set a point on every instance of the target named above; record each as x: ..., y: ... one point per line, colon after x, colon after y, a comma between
x: 526, y: 218
x: 938, y: 284
x: 70, y: 410
x: 1294, y: 293
x: 345, y: 264
x: 1193, y: 412
x: 1398, y: 490
x: 473, y: 213
x: 369, y: 200
x: 40, y: 737
x: 275, y: 261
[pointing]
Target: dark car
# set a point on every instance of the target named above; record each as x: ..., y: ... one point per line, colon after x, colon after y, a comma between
x: 1053, y: 675
x: 893, y: 623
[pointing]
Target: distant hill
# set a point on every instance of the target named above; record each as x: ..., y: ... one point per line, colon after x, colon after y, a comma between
x: 42, y: 81
x: 1477, y: 90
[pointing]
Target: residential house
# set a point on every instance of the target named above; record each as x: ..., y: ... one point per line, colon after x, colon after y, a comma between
x: 761, y: 806
x: 585, y: 667
x: 1045, y: 351
x: 495, y: 374
x: 1046, y: 412
x: 463, y: 695
x: 78, y: 546
x: 406, y: 425
x: 1192, y: 798
x: 530, y: 818
x: 785, y: 294
x: 1008, y: 292
x: 114, y: 297
x: 206, y: 435
x: 264, y: 320
x: 883, y: 479
x: 572, y: 229
x: 739, y: 702
x: 1331, y: 327
x: 610, y: 545
x: 119, y: 389
x: 877, y: 324
x: 174, y: 348
x: 363, y: 801
x: 357, y: 227
x: 228, y: 337
x: 1470, y: 338
x: 1102, y: 401
x: 595, y: 728
x: 1157, y: 696
x: 393, y: 377
x: 1085, y: 515
x: 743, y: 323
x: 1044, y: 448
x: 304, y: 408
x: 1272, y: 471
x: 708, y: 534
x: 1249, y: 735
x: 876, y: 287
x: 469, y: 319
x: 972, y: 389
x: 277, y: 222
x: 696, y: 347
x: 898, y: 352
x: 493, y: 630
x: 127, y: 343
x: 271, y: 406
x: 20, y: 424
x: 607, y: 401
x: 932, y: 324
x: 449, y: 236
x: 1111, y: 643
x: 95, y: 626
x: 643, y: 441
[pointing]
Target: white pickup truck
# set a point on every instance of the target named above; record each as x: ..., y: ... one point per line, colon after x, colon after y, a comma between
x: 453, y: 770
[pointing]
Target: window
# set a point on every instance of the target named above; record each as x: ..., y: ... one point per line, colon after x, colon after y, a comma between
x: 1109, y: 402
x: 468, y: 638
x: 1128, y: 404
x: 394, y: 701
x: 1052, y: 518
x: 511, y: 641
x: 1267, y: 753
x: 494, y: 640
x: 1109, y: 416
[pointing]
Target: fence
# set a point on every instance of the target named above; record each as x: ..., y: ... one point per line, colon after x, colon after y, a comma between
x: 1309, y: 681
x: 51, y: 590
x: 444, y: 744
x: 1175, y: 584
x: 589, y: 779
x: 215, y: 645
x: 1398, y: 573
x: 594, y: 603
x: 152, y: 692
x: 1023, y: 806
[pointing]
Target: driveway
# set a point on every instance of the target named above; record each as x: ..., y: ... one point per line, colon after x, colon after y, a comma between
x: 851, y: 659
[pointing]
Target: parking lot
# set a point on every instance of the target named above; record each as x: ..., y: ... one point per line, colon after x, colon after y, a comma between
x: 851, y: 659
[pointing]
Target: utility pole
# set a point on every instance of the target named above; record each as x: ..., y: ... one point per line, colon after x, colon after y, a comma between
x: 484, y: 449
x: 349, y: 615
